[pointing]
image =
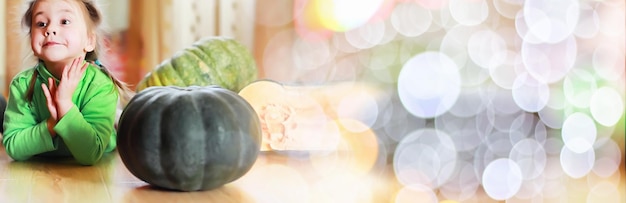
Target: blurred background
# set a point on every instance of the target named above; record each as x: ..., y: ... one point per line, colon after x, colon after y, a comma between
x: 515, y: 98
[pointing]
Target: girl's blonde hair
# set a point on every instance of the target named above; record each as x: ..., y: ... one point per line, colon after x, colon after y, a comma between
x: 93, y: 18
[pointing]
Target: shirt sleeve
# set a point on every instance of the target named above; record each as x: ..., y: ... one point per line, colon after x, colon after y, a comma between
x: 87, y: 132
x: 23, y: 136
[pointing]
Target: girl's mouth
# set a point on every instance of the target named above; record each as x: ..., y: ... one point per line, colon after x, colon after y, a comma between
x: 49, y: 44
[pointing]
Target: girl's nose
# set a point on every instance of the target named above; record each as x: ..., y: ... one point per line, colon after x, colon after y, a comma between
x: 47, y: 33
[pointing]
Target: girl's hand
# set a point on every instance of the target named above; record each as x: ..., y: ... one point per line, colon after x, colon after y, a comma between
x: 50, y: 93
x: 70, y: 78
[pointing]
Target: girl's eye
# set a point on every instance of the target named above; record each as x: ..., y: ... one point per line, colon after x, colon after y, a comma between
x: 65, y: 22
x: 41, y: 24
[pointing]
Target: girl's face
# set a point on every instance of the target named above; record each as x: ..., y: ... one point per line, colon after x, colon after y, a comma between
x: 58, y: 33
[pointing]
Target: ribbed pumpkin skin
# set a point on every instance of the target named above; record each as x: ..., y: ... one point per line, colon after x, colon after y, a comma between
x: 188, y: 139
x: 209, y: 61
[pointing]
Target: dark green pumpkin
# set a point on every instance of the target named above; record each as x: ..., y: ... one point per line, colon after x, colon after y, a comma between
x: 188, y: 138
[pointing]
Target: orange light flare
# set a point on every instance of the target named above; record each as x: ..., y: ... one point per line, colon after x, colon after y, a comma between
x: 262, y: 189
x: 416, y: 192
x: 356, y: 155
x: 305, y: 24
x: 354, y: 106
x: 319, y: 19
x: 346, y: 188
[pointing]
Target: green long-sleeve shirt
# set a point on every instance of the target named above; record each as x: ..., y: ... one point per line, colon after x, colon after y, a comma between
x: 85, y: 132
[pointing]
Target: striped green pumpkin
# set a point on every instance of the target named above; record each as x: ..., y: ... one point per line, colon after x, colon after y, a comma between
x: 209, y: 61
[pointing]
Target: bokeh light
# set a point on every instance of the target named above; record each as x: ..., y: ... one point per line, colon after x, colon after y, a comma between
x: 579, y: 133
x: 282, y: 176
x: 415, y: 192
x: 549, y: 63
x: 552, y: 21
x: 347, y: 109
x: 361, y: 148
x: 608, y: 62
x: 604, y: 192
x: 578, y: 86
x: 502, y: 179
x: 589, y: 21
x: 487, y: 49
x: 510, y: 100
x: 577, y: 164
x: 431, y: 4
x: 507, y: 8
x: 411, y: 20
x: 429, y: 84
x: 425, y: 157
x: 529, y: 94
x: 469, y: 13
x: 343, y: 187
x: 607, y: 106
x: 609, y: 159
x: 530, y: 157
x: 340, y: 16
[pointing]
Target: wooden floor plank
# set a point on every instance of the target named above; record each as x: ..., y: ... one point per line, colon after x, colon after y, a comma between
x: 65, y: 180
x: 14, y: 191
x: 275, y: 177
x: 15, y: 179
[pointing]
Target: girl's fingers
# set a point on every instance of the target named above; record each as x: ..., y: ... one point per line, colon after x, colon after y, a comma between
x: 82, y: 64
x: 53, y: 86
x: 80, y: 67
x: 46, y: 92
x: 66, y: 70
x: 73, y: 68
x: 76, y: 65
x: 49, y: 100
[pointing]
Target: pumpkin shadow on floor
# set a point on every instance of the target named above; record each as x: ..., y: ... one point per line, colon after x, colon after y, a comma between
x: 149, y: 193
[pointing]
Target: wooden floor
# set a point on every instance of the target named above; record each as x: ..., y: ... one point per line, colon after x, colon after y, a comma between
x: 274, y: 178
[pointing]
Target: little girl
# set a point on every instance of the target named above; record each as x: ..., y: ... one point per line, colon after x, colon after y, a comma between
x: 66, y: 104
